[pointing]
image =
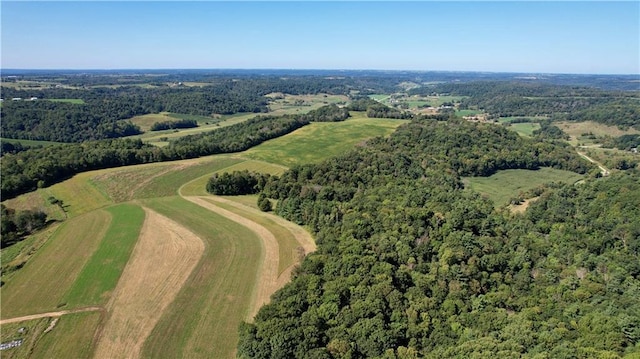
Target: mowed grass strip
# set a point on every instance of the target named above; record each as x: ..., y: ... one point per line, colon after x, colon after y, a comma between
x: 288, y: 252
x: 41, y: 284
x: 504, y: 185
x: 72, y: 337
x: 203, y: 320
x: 101, y: 273
x: 321, y: 140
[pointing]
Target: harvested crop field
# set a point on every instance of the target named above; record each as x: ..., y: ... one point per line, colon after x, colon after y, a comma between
x: 266, y: 283
x: 162, y: 260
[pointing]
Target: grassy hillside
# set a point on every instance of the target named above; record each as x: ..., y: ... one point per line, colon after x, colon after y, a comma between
x: 322, y: 140
x: 504, y: 185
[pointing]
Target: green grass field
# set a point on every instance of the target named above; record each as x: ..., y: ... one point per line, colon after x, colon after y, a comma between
x: 202, y: 321
x: 321, y: 140
x: 300, y: 104
x: 160, y: 138
x: 504, y: 185
x: 75, y: 101
x: 70, y: 338
x: 524, y: 129
x: 100, y: 275
x: 29, y: 142
x: 40, y: 286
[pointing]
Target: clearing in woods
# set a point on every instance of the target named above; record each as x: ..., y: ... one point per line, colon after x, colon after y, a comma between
x: 504, y: 185
x: 163, y: 258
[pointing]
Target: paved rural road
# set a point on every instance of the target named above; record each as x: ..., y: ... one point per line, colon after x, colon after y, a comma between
x: 50, y: 314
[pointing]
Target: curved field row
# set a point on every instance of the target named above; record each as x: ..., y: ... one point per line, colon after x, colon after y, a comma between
x: 267, y: 279
x: 163, y: 258
x: 202, y: 321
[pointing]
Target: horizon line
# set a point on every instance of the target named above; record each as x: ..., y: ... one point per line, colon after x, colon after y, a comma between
x: 16, y: 69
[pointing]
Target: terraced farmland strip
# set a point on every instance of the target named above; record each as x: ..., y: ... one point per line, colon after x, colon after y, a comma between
x: 163, y: 258
x: 268, y: 267
x: 41, y: 284
x: 100, y: 275
x: 293, y: 240
x: 203, y: 320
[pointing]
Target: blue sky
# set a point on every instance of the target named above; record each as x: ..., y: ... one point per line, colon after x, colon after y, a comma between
x: 539, y: 37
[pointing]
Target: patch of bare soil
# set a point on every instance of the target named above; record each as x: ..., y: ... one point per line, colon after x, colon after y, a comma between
x: 520, y: 208
x: 162, y: 260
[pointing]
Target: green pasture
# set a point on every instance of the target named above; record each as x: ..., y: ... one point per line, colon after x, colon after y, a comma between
x: 100, y: 275
x: 380, y: 97
x: 72, y: 337
x: 321, y: 140
x: 146, y: 121
x: 14, y: 257
x: 75, y: 101
x: 504, y: 185
x: 203, y: 320
x: 41, y: 285
x: 201, y: 120
x: 525, y: 129
x: 31, y: 143
x: 162, y: 138
x: 599, y: 130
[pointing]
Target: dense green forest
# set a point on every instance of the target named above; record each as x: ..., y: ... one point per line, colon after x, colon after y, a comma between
x: 411, y: 265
